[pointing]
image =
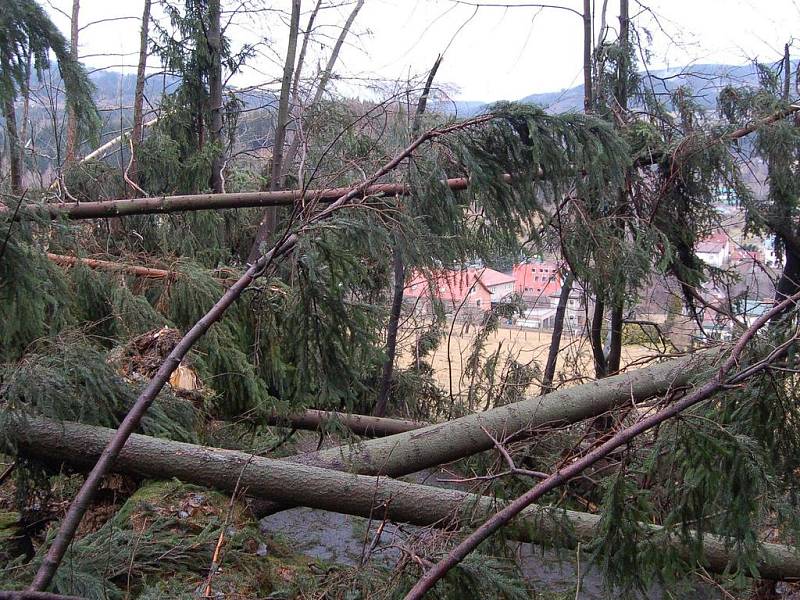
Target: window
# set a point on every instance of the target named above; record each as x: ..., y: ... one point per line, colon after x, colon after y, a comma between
x: 478, y: 303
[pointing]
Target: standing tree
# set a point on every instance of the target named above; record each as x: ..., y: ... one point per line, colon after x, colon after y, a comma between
x: 72, y: 119
x: 138, y: 95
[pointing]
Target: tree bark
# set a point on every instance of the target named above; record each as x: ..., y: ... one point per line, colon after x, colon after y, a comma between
x: 596, y: 339
x: 365, y: 425
x: 555, y: 340
x: 14, y: 158
x: 787, y: 73
x: 587, y: 56
x: 270, y: 219
x: 138, y: 96
x: 615, y: 347
x: 621, y: 93
x: 392, y: 328
x: 215, y: 93
x: 789, y: 281
x: 72, y: 119
x: 80, y: 445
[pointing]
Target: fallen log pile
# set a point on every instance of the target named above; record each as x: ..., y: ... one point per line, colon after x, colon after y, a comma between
x: 80, y: 446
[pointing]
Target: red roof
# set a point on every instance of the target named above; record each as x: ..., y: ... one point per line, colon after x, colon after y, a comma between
x: 446, y: 285
x: 713, y: 243
x: 491, y: 278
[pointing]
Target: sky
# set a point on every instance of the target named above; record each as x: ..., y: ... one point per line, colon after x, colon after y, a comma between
x: 490, y: 52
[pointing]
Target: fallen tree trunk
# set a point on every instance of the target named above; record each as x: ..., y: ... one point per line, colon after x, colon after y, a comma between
x: 80, y: 446
x: 107, y: 265
x: 365, y: 425
x: 445, y: 442
x: 169, y: 204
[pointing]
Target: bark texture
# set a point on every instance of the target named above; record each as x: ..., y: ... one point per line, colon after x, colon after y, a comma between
x: 80, y: 445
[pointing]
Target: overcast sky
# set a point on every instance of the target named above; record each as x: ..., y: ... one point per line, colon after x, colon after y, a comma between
x: 491, y: 52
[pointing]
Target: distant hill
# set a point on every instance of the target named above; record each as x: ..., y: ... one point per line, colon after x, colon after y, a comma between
x: 705, y: 80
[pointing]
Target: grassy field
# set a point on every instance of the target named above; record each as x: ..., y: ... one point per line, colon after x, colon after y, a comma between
x: 526, y: 346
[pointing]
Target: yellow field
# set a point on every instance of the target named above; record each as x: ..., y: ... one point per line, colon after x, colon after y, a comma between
x: 527, y: 346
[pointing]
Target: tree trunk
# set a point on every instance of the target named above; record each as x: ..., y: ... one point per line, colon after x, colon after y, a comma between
x: 215, y: 93
x: 80, y: 445
x: 789, y: 282
x: 596, y: 339
x: 399, y: 269
x: 14, y: 160
x: 298, y: 71
x: 587, y: 56
x: 787, y: 73
x: 270, y: 219
x: 138, y: 96
x: 72, y: 119
x: 621, y: 93
x: 566, y: 288
x: 359, y: 424
x: 26, y: 101
x: 555, y: 340
x: 190, y: 202
x: 615, y: 347
x: 391, y: 331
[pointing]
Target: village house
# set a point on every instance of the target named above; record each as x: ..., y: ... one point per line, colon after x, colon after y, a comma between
x: 460, y: 291
x: 715, y: 249
x: 501, y: 286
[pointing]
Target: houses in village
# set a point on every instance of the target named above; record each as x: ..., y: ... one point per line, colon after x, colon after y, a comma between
x: 467, y: 292
x: 471, y: 292
x: 464, y: 292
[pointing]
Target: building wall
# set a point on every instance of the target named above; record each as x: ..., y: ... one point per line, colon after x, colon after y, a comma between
x: 502, y: 291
